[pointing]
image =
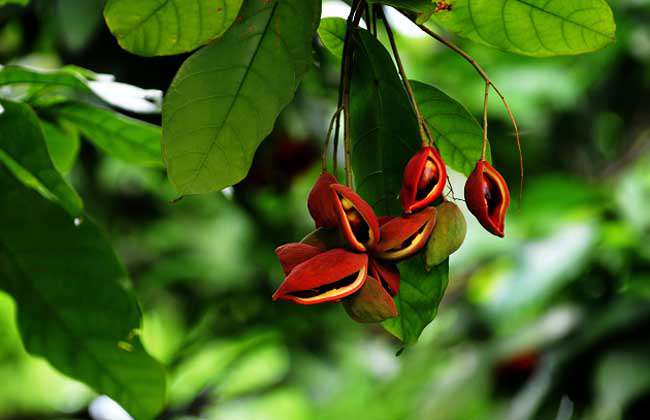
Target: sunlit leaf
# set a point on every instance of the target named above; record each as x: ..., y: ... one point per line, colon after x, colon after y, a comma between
x: 20, y: 2
x: 332, y: 34
x: 423, y: 9
x: 74, y: 307
x: 225, y: 98
x: 164, y: 27
x: 24, y: 151
x: 124, y: 138
x: 533, y: 27
x: 458, y: 135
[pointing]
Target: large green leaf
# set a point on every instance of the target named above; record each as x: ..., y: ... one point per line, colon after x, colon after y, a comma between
x: 74, y: 307
x: 163, y: 27
x: 24, y: 151
x: 20, y: 2
x: 124, y: 138
x: 383, y: 126
x: 533, y: 27
x: 384, y: 137
x: 225, y: 98
x: 331, y: 32
x: 458, y: 135
x: 419, y: 296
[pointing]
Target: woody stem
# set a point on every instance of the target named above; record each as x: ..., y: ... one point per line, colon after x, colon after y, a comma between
x: 485, y: 77
x: 485, y: 120
x: 425, y: 134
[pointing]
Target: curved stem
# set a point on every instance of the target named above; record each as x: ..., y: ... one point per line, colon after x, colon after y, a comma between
x: 327, y: 141
x: 485, y: 77
x: 425, y: 134
x: 485, y: 120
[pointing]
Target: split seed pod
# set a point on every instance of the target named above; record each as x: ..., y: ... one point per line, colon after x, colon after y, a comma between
x: 425, y: 176
x: 320, y: 202
x: 294, y: 254
x: 371, y: 303
x: 404, y: 236
x: 447, y: 236
x: 329, y: 276
x: 387, y: 274
x: 487, y: 197
x: 356, y: 219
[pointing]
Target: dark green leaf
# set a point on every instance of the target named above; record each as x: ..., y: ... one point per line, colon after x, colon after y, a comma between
x: 124, y: 138
x: 533, y: 27
x: 458, y: 135
x: 332, y: 34
x: 164, y: 27
x: 383, y: 126
x: 62, y: 143
x: 74, y: 307
x: 24, y: 151
x: 418, y: 299
x: 225, y: 98
x: 81, y: 20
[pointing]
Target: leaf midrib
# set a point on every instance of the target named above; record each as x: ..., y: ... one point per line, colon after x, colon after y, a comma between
x: 532, y: 6
x: 235, y: 97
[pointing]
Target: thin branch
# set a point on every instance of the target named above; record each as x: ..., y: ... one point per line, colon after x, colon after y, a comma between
x: 335, y: 117
x: 485, y: 77
x: 424, y: 130
x: 485, y: 120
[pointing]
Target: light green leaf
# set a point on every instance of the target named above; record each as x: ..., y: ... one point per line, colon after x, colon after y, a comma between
x: 73, y: 306
x: 66, y: 77
x: 332, y: 34
x: 225, y: 98
x: 124, y: 138
x: 419, y: 296
x: 20, y: 2
x: 383, y: 126
x: 63, y: 144
x: 24, y: 151
x: 537, y: 28
x: 164, y: 27
x: 458, y: 135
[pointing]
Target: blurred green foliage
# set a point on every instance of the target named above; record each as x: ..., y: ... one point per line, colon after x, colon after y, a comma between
x: 549, y: 323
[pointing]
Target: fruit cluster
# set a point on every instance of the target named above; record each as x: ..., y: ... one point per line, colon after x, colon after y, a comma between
x: 352, y: 254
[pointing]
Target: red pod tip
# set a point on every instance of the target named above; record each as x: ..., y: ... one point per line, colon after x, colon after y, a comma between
x: 356, y: 219
x: 487, y: 197
x: 424, y: 179
x: 321, y: 203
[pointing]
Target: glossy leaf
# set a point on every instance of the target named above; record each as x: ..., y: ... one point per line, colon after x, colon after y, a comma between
x: 122, y: 137
x: 383, y: 126
x: 225, y: 98
x: 164, y: 27
x: 62, y: 143
x: 24, y: 151
x: 533, y: 27
x: 332, y: 34
x: 458, y: 135
x: 80, y: 318
x: 418, y: 299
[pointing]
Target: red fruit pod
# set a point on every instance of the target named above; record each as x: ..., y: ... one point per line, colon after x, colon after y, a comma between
x: 424, y: 179
x: 356, y: 219
x: 321, y: 203
x: 329, y: 276
x: 487, y: 197
x: 387, y: 273
x: 294, y: 254
x: 404, y: 236
x: 371, y: 303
